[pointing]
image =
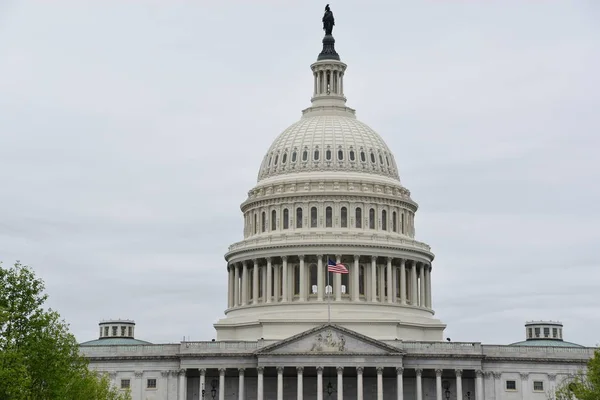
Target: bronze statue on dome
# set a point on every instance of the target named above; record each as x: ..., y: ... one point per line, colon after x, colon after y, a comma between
x: 328, y: 21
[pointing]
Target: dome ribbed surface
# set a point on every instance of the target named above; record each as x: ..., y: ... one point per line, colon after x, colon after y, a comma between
x: 328, y: 143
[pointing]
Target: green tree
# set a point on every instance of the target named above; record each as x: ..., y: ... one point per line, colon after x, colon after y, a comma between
x: 39, y: 357
x: 583, y: 386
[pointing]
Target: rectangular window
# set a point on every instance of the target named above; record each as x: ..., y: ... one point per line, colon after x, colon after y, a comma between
x: 130, y: 332
x: 151, y: 384
x: 530, y: 333
x: 538, y: 386
x: 537, y: 332
x: 511, y: 385
x: 125, y: 383
x: 122, y: 331
x: 114, y: 331
x: 554, y: 333
x: 546, y: 332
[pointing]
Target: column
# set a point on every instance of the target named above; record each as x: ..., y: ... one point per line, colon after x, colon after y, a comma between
x: 373, y: 279
x: 279, y: 383
x: 230, y: 289
x: 340, y: 383
x: 422, y: 294
x: 359, y: 383
x: 299, y: 384
x: 524, y: 384
x: 390, y: 282
x: 479, y: 385
x: 497, y: 385
x: 182, y: 385
x: 438, y: 384
x: 241, y: 384
x: 276, y: 287
x: 379, y: 383
x: 428, y: 286
x: 202, y: 383
x: 319, y: 383
x: 302, y: 279
x: 337, y: 278
x: 320, y: 278
x: 236, y: 286
x: 260, y: 383
x: 221, y: 383
x: 403, y: 281
x: 419, y: 372
x: 355, y: 279
x: 395, y: 278
x: 284, y: 283
x: 459, y: 394
x: 413, y: 286
x: 165, y: 385
x: 263, y: 273
x: 399, y: 383
x: 244, y: 283
x: 315, y: 79
x: 138, y: 376
x: 381, y: 283
x: 269, y: 280
x: 255, y: 282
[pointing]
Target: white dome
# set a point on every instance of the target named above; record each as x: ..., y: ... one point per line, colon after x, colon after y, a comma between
x: 328, y: 142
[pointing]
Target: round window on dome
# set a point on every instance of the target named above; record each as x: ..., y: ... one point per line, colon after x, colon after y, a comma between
x: 270, y: 159
x: 284, y: 158
x: 372, y: 158
x: 276, y: 158
x: 387, y: 160
x: 294, y: 156
x: 328, y: 155
x: 305, y: 155
x: 340, y: 155
x: 363, y: 158
x: 316, y: 155
x: 380, y: 160
x: 351, y: 155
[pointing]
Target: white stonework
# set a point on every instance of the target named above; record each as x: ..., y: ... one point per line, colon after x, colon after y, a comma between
x: 329, y: 189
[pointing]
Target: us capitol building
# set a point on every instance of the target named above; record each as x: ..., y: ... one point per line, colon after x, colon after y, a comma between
x: 328, y: 189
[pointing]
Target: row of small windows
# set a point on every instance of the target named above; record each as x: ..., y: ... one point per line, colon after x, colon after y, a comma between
x: 150, y: 383
x: 274, y: 158
x: 534, y: 333
x: 511, y: 386
x: 115, y: 331
x: 314, y: 217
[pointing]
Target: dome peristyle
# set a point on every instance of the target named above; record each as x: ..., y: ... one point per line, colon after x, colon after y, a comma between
x: 328, y: 142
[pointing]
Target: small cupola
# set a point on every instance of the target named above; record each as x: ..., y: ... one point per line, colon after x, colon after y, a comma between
x: 122, y: 328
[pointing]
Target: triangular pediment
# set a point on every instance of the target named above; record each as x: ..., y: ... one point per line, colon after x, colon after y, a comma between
x: 329, y: 339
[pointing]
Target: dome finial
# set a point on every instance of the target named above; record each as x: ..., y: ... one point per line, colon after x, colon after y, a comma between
x: 328, y: 52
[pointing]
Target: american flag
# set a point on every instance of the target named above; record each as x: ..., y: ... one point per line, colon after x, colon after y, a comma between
x: 337, y: 268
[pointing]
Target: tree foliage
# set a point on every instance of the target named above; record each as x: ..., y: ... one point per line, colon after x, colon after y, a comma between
x: 583, y: 386
x: 39, y: 357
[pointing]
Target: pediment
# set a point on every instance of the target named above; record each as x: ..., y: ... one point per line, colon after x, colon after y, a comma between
x: 330, y: 339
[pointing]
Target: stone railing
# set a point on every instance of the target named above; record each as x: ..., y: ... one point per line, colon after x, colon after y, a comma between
x: 294, y: 238
x: 544, y: 352
x: 142, y: 350
x: 441, y: 347
x: 219, y: 347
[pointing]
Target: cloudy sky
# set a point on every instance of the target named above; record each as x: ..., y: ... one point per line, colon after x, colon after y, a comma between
x: 130, y: 132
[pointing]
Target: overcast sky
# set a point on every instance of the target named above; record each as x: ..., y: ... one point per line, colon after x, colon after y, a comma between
x: 131, y: 131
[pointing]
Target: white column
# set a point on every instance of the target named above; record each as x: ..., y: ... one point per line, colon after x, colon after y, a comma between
x: 381, y: 283
x: 342, y: 84
x: 279, y: 383
x: 236, y: 287
x: 244, y: 283
x: 524, y: 385
x: 320, y: 278
x: 379, y: 383
x: 263, y: 273
x: 413, y: 287
x: 319, y: 383
x: 498, y: 385
x: 255, y: 282
x: 182, y: 384
x: 241, y: 383
x: 269, y: 280
x: 302, y: 279
x: 395, y: 279
x: 359, y: 383
x: 260, y: 384
x: 479, y: 385
x: 337, y: 278
x: 390, y: 282
x: 459, y: 394
x: 230, y: 286
x: 403, y: 281
x: 300, y: 383
x: 355, y: 279
x: 284, y: 283
x: 420, y: 384
x: 202, y: 383
x: 374, y: 279
x: 428, y: 286
x: 422, y: 294
x: 221, y: 383
x: 399, y: 383
x: 438, y: 384
x: 276, y: 287
x: 340, y: 382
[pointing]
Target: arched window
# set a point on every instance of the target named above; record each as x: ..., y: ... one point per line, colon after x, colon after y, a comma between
x: 284, y: 158
x: 260, y: 283
x: 255, y: 223
x: 384, y: 220
x: 286, y: 219
x: 296, y: 280
x: 387, y: 160
x: 358, y: 217
x: 372, y: 158
x: 363, y: 158
x: 351, y: 155
x: 316, y: 155
x: 298, y: 217
x: 273, y: 220
x: 305, y: 155
x: 328, y: 155
x: 380, y: 159
x: 270, y: 159
x: 361, y: 280
x: 263, y: 222
x: 344, y: 217
x: 395, y: 221
x: 340, y: 155
x: 294, y: 156
x: 313, y: 217
x: 398, y: 278
x: 328, y: 217
x: 276, y: 158
x: 371, y: 218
